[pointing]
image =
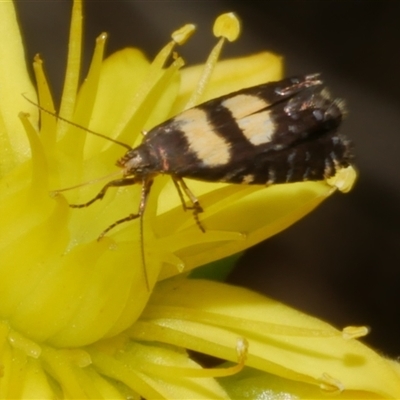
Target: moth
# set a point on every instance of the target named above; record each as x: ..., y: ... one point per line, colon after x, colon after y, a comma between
x: 273, y: 133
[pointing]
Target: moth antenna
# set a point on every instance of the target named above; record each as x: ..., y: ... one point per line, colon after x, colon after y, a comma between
x: 76, y: 125
x: 55, y: 192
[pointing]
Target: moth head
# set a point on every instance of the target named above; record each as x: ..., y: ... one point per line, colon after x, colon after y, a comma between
x: 137, y: 161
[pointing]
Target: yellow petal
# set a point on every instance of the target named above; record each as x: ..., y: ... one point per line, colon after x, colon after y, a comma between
x: 260, y: 212
x: 121, y: 73
x: 282, y: 341
x: 156, y: 372
x: 252, y: 384
x: 14, y: 82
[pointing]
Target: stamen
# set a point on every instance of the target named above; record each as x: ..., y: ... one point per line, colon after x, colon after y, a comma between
x: 154, y: 76
x: 344, y: 179
x: 181, y: 35
x: 226, y: 26
x: 29, y: 347
x: 354, y: 332
x: 330, y: 384
x: 241, y: 349
x: 138, y: 112
x: 78, y: 357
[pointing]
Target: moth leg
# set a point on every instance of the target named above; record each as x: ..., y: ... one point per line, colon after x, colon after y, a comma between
x: 178, y: 189
x: 146, y: 185
x: 196, y: 207
x: 100, y: 195
x: 144, y: 194
x: 130, y: 217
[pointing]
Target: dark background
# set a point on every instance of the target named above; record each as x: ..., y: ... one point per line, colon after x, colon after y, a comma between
x: 342, y: 262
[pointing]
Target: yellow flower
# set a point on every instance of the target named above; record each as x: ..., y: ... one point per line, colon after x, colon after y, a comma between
x: 77, y: 318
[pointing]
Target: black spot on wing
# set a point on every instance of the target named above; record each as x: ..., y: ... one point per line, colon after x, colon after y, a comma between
x: 172, y: 149
x: 225, y: 126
